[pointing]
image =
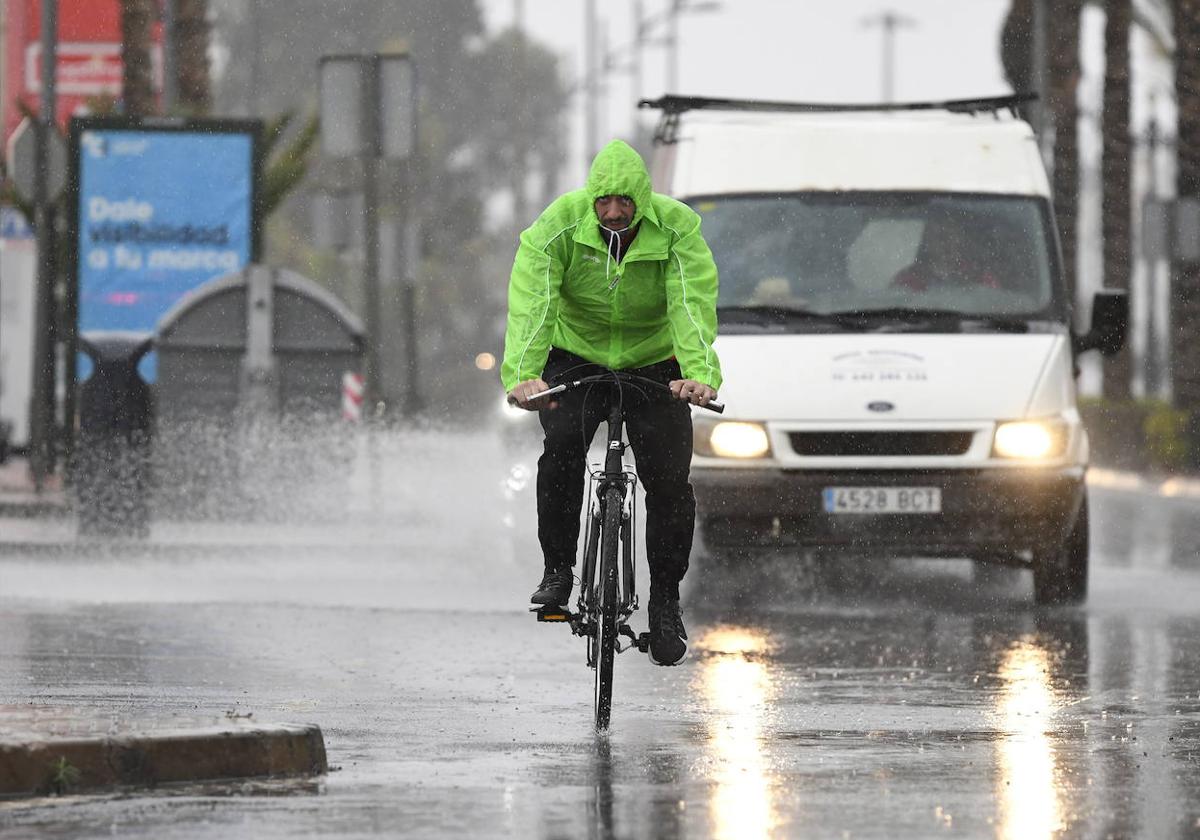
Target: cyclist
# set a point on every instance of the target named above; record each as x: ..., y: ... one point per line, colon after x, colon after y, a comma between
x: 615, y: 276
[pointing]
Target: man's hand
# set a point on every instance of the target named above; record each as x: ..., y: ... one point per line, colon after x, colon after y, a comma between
x: 522, y: 391
x: 689, y: 390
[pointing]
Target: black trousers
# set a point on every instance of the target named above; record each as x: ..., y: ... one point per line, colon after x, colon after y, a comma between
x: 660, y: 432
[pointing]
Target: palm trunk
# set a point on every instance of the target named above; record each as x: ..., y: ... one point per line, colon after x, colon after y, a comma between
x: 1117, y: 174
x: 137, y: 79
x: 1064, y: 71
x: 191, y: 40
x: 1016, y: 46
x: 1185, y: 285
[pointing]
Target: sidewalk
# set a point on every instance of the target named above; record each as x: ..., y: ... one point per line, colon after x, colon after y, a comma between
x: 60, y: 749
x: 18, y: 498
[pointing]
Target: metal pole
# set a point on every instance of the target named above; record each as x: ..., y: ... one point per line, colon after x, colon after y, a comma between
x: 1152, y: 372
x: 40, y: 413
x: 673, y: 47
x: 639, y: 41
x: 602, y: 81
x: 589, y: 82
x: 889, y: 22
x: 1039, y: 111
x: 255, y: 48
x: 518, y: 174
x: 3, y: 64
x: 889, y: 57
x: 170, y: 91
x: 408, y: 303
x: 370, y: 173
x: 635, y: 66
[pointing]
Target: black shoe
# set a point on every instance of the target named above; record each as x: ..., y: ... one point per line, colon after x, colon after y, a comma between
x: 667, y: 646
x: 555, y: 588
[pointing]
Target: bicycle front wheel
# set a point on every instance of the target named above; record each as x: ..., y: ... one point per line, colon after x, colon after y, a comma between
x: 606, y: 625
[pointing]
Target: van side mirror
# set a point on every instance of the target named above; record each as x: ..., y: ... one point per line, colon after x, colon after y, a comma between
x: 1110, y: 320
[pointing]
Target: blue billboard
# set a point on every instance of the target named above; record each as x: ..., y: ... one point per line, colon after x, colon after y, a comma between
x: 158, y: 212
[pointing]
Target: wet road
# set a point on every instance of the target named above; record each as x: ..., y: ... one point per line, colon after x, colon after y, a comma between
x: 912, y: 699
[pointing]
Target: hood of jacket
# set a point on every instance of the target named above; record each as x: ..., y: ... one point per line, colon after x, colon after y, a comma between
x: 619, y: 170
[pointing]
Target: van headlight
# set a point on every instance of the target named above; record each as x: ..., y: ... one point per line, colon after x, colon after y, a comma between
x: 1030, y: 440
x: 730, y: 439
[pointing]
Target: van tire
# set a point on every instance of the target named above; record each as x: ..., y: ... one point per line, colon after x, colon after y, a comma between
x: 1060, y: 576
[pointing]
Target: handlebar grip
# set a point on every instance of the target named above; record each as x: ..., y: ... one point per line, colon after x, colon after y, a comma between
x: 549, y: 392
x: 713, y: 405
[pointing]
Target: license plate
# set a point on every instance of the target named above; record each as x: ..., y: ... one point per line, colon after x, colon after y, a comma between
x: 882, y: 499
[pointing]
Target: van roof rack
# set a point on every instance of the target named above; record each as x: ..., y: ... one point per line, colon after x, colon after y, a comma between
x: 672, y: 106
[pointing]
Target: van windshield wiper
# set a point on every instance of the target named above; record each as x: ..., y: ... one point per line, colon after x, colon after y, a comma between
x: 908, y: 314
x: 767, y: 313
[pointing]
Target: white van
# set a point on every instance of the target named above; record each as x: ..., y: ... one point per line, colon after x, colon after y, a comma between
x: 895, y: 335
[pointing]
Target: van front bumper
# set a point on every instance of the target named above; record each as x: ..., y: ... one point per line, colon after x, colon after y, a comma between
x: 993, y: 513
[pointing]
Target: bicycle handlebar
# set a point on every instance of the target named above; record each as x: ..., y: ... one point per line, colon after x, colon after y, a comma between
x: 607, y: 378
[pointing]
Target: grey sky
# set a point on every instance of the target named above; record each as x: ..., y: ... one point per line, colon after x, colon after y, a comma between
x: 784, y: 49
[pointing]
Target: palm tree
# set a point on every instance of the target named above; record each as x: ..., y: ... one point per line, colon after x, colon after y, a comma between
x: 191, y: 44
x: 1016, y: 46
x: 1185, y: 285
x: 1116, y: 175
x: 137, y: 89
x: 1064, y: 71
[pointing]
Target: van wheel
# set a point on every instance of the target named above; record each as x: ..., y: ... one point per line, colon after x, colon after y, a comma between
x: 1060, y: 576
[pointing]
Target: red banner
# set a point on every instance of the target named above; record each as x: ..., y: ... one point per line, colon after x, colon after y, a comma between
x: 88, y: 60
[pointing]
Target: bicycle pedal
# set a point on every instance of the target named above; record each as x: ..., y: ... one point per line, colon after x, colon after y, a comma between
x: 643, y: 642
x: 552, y: 613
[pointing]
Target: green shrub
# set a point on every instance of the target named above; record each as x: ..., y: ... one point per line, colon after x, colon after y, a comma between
x: 1168, y: 444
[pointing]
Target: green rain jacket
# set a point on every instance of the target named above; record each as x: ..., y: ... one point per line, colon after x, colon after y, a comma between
x: 566, y: 291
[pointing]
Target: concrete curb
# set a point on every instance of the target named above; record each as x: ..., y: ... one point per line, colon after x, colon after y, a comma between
x: 37, y: 765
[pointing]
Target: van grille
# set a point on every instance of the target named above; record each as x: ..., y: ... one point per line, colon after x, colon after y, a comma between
x: 860, y: 444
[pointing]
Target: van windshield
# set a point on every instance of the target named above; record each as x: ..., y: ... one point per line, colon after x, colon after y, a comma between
x: 881, y: 256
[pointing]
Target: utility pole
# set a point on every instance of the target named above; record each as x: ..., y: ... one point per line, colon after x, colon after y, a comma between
x: 889, y: 22
x: 41, y: 412
x: 589, y: 83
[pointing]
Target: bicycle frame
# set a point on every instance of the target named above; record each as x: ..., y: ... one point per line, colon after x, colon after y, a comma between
x: 614, y: 475
x: 608, y: 587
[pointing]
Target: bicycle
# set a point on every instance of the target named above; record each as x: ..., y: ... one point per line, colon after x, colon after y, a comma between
x: 600, y: 616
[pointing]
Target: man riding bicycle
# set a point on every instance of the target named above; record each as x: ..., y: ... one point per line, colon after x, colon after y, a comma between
x: 615, y: 276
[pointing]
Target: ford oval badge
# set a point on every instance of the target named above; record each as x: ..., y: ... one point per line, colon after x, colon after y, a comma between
x: 880, y: 405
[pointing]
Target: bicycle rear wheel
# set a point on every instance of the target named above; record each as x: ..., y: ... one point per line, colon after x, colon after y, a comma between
x: 606, y: 625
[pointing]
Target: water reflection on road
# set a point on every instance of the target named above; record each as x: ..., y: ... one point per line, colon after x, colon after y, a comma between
x: 733, y: 679
x: 1028, y: 784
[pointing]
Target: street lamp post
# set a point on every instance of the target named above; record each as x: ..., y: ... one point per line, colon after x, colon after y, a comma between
x: 643, y: 27
x: 679, y: 7
x: 368, y: 114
